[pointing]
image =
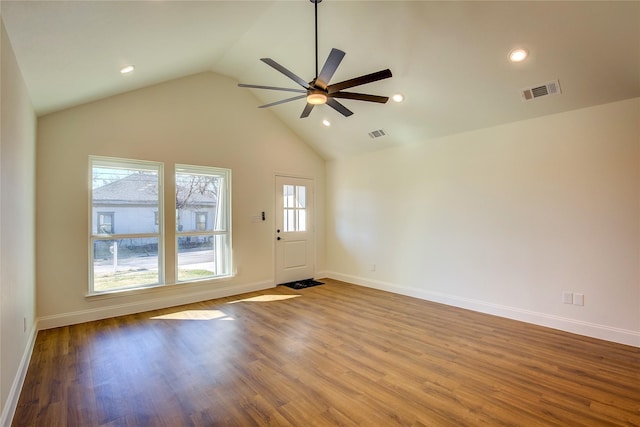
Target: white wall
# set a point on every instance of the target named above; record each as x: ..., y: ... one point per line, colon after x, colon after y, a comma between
x: 17, y: 230
x: 198, y: 120
x: 502, y: 220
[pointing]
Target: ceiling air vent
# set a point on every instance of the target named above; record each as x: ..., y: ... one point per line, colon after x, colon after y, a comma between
x: 544, y: 89
x: 377, y: 134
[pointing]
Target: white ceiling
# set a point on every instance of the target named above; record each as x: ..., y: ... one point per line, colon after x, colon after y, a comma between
x: 449, y: 59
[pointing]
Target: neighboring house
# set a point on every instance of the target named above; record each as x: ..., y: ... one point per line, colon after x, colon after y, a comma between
x: 130, y: 205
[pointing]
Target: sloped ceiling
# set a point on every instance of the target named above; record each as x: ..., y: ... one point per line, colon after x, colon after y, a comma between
x: 449, y: 59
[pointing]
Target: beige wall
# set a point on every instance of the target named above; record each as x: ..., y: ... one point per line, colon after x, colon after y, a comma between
x: 502, y: 220
x: 198, y: 120
x: 17, y: 230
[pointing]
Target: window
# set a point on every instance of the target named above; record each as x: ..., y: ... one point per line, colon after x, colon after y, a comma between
x: 201, y: 221
x: 131, y: 255
x: 203, y: 217
x: 105, y: 222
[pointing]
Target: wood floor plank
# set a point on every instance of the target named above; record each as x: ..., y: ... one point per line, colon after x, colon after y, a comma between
x: 335, y: 354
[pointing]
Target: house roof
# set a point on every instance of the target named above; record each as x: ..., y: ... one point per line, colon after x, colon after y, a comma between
x: 138, y: 189
x: 448, y: 58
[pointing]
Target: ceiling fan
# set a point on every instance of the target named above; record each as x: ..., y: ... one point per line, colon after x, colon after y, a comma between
x: 319, y: 91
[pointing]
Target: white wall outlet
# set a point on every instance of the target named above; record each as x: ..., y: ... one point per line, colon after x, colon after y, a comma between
x: 373, y: 267
x: 578, y: 299
x: 24, y: 324
x: 567, y: 297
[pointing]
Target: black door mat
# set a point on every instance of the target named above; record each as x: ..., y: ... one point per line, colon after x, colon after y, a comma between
x: 302, y: 284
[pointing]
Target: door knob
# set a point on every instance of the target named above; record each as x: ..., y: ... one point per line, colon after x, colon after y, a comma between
x: 279, y: 238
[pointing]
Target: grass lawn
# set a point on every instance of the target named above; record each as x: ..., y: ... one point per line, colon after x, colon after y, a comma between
x: 127, y: 279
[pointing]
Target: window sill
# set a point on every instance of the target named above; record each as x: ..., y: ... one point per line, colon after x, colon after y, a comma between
x: 97, y: 296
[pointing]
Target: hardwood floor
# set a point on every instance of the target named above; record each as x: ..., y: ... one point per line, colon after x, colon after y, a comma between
x: 335, y: 354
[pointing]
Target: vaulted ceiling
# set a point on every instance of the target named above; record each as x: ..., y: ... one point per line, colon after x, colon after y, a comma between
x: 449, y: 59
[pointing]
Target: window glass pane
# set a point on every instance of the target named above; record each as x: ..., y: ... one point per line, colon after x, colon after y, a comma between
x: 126, y: 205
x: 197, y: 202
x: 301, y: 196
x: 302, y: 220
x: 196, y: 257
x: 222, y: 254
x: 294, y: 205
x: 124, y: 263
x: 287, y: 193
x: 289, y: 220
x: 128, y: 194
x: 203, y: 238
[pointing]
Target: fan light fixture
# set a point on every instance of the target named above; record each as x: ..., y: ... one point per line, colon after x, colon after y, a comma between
x: 317, y: 98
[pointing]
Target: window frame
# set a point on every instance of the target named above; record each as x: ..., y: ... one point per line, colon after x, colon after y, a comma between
x: 141, y: 165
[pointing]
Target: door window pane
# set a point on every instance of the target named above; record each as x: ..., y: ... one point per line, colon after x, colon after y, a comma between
x: 287, y: 192
x: 294, y: 205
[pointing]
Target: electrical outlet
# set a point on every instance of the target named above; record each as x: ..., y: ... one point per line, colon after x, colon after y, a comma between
x: 24, y: 324
x: 567, y: 297
x: 373, y: 267
x: 578, y: 299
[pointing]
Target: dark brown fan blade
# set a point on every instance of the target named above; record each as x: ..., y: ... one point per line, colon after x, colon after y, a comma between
x: 339, y: 107
x: 329, y: 68
x: 283, y: 101
x: 272, y: 88
x: 306, y: 111
x: 369, y: 78
x: 360, y: 97
x: 286, y: 72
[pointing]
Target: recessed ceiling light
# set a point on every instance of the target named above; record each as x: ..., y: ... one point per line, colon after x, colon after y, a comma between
x: 518, y: 55
x: 326, y: 122
x: 398, y: 97
x: 128, y: 69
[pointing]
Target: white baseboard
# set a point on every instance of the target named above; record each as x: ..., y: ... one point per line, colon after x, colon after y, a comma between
x: 593, y: 330
x: 72, y: 318
x: 321, y: 274
x: 16, y: 387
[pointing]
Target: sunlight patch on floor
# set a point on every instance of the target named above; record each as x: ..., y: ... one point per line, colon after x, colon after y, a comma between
x: 266, y: 298
x: 194, y: 315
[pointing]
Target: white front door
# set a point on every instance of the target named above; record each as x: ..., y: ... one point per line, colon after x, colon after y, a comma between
x: 294, y: 232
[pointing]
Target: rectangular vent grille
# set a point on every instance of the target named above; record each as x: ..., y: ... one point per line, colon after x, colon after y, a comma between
x: 545, y: 89
x: 377, y: 134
